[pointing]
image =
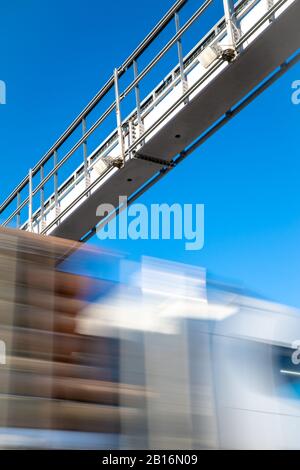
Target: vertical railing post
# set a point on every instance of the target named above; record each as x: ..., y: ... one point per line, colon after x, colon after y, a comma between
x: 18, y: 205
x: 85, y: 156
x: 55, y: 161
x: 42, y: 200
x: 270, y: 4
x: 119, y: 118
x: 180, y: 56
x: 30, y: 200
x: 138, y: 99
x: 231, y: 24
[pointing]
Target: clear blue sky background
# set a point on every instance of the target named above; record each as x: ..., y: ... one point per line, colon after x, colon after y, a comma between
x: 56, y: 54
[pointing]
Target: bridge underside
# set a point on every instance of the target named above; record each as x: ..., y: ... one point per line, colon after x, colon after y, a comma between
x: 268, y: 51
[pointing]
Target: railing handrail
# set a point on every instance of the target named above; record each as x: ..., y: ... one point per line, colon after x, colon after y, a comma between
x: 95, y: 100
x: 166, y: 48
x: 201, y: 80
x: 108, y: 86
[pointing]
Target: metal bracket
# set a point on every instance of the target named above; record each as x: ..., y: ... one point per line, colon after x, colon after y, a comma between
x: 157, y: 161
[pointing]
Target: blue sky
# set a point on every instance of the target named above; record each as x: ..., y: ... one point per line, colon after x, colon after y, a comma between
x: 55, y: 55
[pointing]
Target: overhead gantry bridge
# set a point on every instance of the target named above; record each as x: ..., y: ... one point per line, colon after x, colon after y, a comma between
x: 251, y: 45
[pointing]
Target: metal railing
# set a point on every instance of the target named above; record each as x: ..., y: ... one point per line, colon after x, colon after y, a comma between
x: 141, y: 107
x: 81, y: 118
